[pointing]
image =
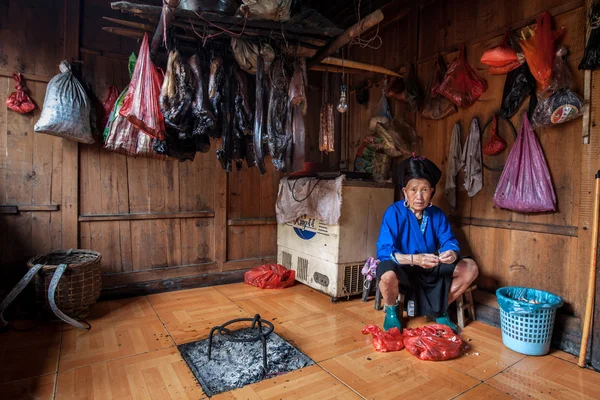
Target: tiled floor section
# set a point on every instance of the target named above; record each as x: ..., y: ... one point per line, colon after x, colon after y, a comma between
x: 131, y: 353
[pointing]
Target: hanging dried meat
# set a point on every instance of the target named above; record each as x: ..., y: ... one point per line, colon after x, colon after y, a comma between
x: 19, y: 101
x: 436, y: 106
x: 225, y: 112
x: 215, y: 90
x: 278, y: 139
x: 242, y: 116
x: 297, y: 108
x: 204, y: 119
x: 326, y: 129
x: 539, y: 50
x: 461, y: 85
x: 259, y: 113
x: 246, y: 54
x: 176, y: 94
x: 591, y: 55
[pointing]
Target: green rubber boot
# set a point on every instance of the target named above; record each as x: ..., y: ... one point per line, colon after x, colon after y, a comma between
x: 391, y: 318
x: 444, y: 319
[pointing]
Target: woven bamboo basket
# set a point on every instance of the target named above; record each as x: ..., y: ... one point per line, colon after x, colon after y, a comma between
x: 78, y: 288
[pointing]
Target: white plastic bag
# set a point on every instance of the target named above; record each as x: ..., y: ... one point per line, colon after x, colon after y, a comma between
x: 274, y: 10
x: 66, y: 111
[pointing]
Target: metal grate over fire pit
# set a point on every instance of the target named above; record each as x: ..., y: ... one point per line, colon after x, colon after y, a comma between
x: 230, y: 359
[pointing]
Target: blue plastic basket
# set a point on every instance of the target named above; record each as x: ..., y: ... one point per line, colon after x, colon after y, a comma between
x: 527, y: 319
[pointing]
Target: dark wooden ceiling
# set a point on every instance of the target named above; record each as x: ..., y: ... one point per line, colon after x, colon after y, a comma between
x: 344, y: 12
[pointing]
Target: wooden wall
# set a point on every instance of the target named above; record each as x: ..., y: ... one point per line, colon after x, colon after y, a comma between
x: 159, y: 224
x: 548, y: 251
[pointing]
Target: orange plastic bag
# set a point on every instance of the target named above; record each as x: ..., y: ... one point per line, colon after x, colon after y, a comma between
x: 461, y: 85
x: 539, y: 50
x: 19, y: 101
x: 432, y: 342
x: 502, y: 55
x: 270, y: 276
x: 385, y: 341
x: 141, y: 105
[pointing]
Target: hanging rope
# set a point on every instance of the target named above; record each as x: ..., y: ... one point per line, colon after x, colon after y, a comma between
x: 366, y: 43
x: 223, y: 30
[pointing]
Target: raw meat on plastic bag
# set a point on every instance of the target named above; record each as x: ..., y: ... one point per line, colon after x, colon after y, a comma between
x: 461, y: 85
x: 436, y: 106
x: 539, y: 50
x: 432, y: 342
x: 502, y: 58
x: 270, y: 276
x: 66, y: 111
x: 141, y: 104
x: 384, y: 341
x: 525, y: 184
x: 19, y: 101
x: 591, y: 55
x: 559, y: 103
x: 519, y: 84
x: 495, y: 144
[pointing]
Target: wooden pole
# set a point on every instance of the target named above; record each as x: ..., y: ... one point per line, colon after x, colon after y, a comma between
x: 358, y: 65
x: 589, y: 306
x: 351, y: 33
x: 138, y: 25
x: 132, y: 33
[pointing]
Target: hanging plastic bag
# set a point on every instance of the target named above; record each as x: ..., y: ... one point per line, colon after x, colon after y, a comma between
x: 539, y: 50
x: 141, y: 104
x: 270, y: 276
x: 461, y: 85
x: 385, y: 341
x: 495, y: 144
x: 246, y: 54
x: 382, y: 114
x: 562, y: 104
x: 436, y: 106
x: 412, y: 93
x: 525, y: 184
x: 502, y: 58
x: 432, y: 342
x: 112, y: 94
x: 519, y: 84
x: 66, y: 111
x: 274, y: 10
x: 591, y: 55
x: 19, y: 101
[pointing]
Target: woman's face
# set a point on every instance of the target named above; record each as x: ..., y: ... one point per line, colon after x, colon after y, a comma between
x: 418, y: 193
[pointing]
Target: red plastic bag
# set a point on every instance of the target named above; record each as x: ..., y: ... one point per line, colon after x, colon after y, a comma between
x: 504, y: 69
x: 501, y: 57
x: 112, y: 94
x: 19, y: 101
x: 495, y: 144
x: 432, y: 342
x: 385, y: 341
x: 461, y: 85
x: 141, y: 106
x: 539, y: 50
x: 270, y: 276
x: 525, y: 184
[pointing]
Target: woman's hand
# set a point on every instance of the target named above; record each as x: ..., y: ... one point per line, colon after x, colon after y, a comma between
x: 426, y: 260
x: 448, y: 257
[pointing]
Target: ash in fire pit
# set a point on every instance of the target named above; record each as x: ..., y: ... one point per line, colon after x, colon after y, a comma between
x: 237, y: 358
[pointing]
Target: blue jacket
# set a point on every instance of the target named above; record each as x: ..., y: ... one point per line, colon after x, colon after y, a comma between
x: 400, y: 232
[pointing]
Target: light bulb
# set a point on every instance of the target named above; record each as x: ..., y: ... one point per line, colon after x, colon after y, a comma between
x: 342, y: 106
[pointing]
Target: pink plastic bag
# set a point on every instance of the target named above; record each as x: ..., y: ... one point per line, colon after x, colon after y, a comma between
x: 525, y: 184
x: 385, y: 341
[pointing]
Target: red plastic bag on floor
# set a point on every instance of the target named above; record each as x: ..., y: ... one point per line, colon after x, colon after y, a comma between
x: 19, y: 101
x: 502, y: 58
x: 495, y: 144
x: 461, y: 85
x: 385, y: 341
x: 141, y: 104
x: 525, y: 184
x: 539, y: 50
x: 270, y: 276
x: 112, y: 94
x: 432, y: 342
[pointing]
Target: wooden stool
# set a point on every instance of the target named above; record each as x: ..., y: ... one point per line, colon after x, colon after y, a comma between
x: 468, y: 306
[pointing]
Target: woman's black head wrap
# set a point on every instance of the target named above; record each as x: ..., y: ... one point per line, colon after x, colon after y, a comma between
x: 417, y: 167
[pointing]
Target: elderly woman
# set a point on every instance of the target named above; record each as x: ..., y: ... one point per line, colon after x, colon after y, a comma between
x: 418, y: 252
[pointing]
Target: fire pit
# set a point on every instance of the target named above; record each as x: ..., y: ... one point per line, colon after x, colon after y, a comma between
x: 231, y: 358
x: 257, y: 324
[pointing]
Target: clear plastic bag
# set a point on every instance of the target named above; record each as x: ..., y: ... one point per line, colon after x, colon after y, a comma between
x: 525, y: 184
x: 461, y: 85
x: 519, y: 84
x: 270, y: 276
x: 19, y: 101
x: 522, y: 300
x: 66, y: 110
x: 141, y: 105
x: 385, y: 341
x: 432, y: 342
x: 538, y: 50
x: 559, y: 103
x: 436, y: 106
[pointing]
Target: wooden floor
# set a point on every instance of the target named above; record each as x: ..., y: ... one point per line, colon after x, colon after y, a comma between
x: 130, y: 353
